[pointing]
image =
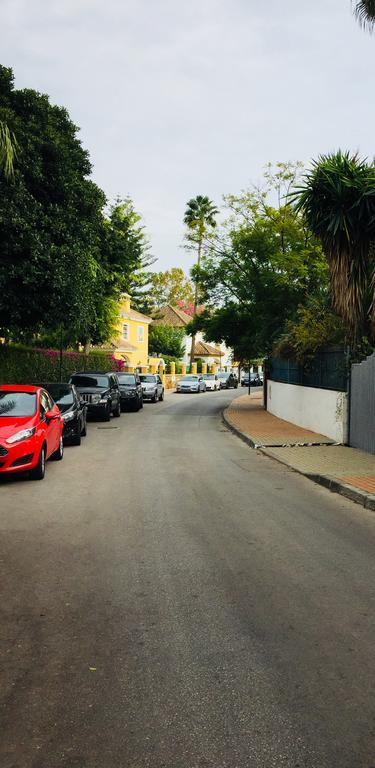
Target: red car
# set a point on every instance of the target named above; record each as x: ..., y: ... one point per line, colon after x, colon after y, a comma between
x: 30, y: 430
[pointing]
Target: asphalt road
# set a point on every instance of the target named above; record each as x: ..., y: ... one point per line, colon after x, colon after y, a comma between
x: 172, y: 599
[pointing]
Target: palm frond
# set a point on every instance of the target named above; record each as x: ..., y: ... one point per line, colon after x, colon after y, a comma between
x: 8, y: 150
x: 337, y: 199
x: 364, y: 11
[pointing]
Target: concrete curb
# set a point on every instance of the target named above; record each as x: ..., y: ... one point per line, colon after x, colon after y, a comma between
x: 332, y: 484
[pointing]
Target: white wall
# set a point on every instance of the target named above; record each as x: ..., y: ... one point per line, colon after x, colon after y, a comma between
x: 320, y: 410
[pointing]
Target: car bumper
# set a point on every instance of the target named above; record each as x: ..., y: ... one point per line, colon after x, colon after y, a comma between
x: 20, y: 457
x: 96, y: 409
x: 187, y: 389
x: 70, y: 429
x: 127, y: 399
x: 149, y: 394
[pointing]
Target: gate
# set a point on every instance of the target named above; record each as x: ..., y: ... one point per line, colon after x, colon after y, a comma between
x: 362, y: 405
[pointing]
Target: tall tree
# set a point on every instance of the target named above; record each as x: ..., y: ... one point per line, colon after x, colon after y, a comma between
x: 260, y: 266
x: 50, y: 219
x: 170, y: 287
x: 364, y: 10
x: 337, y: 199
x: 200, y: 217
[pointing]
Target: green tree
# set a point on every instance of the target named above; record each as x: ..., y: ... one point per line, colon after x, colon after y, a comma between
x: 200, y: 217
x: 170, y: 286
x: 50, y: 220
x: 364, y: 10
x: 260, y: 267
x: 166, y: 340
x: 337, y: 200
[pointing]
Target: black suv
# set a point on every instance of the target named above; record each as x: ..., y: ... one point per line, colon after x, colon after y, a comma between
x: 130, y: 391
x: 100, y: 391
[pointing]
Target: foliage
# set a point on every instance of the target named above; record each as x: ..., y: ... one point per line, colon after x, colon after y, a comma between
x: 364, y: 10
x: 170, y: 287
x: 63, y: 262
x: 126, y: 254
x: 262, y: 265
x: 20, y: 365
x: 166, y: 340
x: 50, y: 218
x: 337, y: 199
x: 315, y: 327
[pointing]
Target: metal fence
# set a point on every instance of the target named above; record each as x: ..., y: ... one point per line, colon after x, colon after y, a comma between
x: 362, y: 405
x: 327, y: 370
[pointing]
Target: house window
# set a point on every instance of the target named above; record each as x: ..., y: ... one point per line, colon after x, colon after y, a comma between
x: 125, y: 331
x: 141, y: 332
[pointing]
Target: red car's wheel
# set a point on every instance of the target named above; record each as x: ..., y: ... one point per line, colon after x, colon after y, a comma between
x: 39, y: 471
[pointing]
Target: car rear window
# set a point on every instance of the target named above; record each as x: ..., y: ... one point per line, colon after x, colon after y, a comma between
x: 148, y: 379
x: 17, y: 403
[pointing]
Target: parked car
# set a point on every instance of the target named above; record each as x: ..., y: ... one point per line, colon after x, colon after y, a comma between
x: 130, y: 391
x: 192, y: 382
x: 31, y: 429
x: 152, y: 387
x: 73, y: 411
x: 255, y: 380
x: 227, y: 380
x: 100, y: 391
x: 212, y: 381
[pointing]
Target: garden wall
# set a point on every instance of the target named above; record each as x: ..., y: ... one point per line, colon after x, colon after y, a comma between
x: 321, y: 410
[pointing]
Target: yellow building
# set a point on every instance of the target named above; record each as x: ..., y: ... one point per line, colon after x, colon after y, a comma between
x: 131, y: 344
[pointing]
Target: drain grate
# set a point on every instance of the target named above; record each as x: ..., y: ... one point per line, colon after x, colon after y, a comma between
x: 107, y: 427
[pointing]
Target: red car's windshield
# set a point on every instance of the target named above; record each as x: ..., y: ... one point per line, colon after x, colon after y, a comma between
x: 17, y: 403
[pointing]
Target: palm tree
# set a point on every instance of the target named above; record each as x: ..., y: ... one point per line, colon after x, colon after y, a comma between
x: 364, y: 10
x: 338, y: 202
x: 199, y: 217
x: 8, y: 150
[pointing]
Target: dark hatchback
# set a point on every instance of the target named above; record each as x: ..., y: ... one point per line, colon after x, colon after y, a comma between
x: 100, y: 391
x: 130, y: 391
x: 73, y: 411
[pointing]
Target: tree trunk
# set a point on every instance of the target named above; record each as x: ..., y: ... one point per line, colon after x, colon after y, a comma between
x: 192, y: 350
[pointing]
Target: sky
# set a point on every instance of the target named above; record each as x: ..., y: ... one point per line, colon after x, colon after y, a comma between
x: 177, y: 98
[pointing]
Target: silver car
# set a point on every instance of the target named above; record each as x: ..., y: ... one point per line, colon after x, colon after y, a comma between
x: 152, y: 387
x: 192, y: 382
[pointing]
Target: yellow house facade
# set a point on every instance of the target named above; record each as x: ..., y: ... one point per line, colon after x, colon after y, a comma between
x: 131, y: 342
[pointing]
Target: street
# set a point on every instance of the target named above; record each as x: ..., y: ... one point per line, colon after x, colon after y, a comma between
x: 172, y: 599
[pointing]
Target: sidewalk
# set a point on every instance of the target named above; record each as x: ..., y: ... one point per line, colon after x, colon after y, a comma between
x: 344, y: 470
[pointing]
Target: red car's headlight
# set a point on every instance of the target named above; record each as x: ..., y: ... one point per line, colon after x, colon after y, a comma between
x: 24, y: 434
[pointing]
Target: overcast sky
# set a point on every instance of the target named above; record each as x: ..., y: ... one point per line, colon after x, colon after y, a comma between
x: 177, y: 98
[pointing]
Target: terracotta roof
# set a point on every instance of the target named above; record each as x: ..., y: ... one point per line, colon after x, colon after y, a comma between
x: 206, y: 350
x: 132, y: 314
x: 169, y: 315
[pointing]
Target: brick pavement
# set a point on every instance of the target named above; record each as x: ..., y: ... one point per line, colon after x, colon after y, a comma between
x: 343, y: 469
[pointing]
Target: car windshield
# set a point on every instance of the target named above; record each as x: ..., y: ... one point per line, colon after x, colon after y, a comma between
x: 17, y: 403
x: 83, y: 380
x: 223, y: 375
x: 61, y: 393
x: 189, y: 378
x: 208, y: 376
x: 126, y: 378
x: 148, y: 379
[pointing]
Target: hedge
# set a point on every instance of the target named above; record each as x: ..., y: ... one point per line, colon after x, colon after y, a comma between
x: 27, y: 365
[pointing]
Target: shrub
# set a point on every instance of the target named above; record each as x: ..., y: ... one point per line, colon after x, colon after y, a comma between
x: 27, y: 365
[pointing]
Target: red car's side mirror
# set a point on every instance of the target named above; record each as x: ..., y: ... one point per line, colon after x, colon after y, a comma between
x: 50, y: 415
